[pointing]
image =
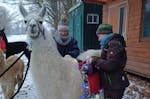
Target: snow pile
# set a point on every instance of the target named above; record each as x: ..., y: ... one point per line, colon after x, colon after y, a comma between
x: 15, y: 38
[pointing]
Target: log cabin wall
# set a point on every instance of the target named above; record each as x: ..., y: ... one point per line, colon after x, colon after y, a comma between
x: 138, y: 49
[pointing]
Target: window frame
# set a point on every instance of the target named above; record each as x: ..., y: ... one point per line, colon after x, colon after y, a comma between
x: 123, y: 21
x: 93, y: 15
x: 142, y: 31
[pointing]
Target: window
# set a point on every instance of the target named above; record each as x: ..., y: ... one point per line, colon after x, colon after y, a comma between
x: 146, y: 25
x: 121, y: 20
x: 92, y: 19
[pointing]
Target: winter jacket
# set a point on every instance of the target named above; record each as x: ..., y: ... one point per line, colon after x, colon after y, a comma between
x: 71, y: 48
x: 4, y: 38
x: 112, y: 62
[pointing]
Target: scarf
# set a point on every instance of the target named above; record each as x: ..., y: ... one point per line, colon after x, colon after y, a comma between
x: 62, y: 40
x: 105, y: 40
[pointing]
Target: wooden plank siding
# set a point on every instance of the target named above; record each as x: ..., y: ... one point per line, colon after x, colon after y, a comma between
x: 138, y: 50
x: 113, y: 13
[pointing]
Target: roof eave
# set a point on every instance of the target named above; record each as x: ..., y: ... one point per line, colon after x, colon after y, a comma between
x: 96, y: 1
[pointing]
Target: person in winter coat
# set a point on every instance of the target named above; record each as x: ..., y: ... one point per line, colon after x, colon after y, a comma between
x: 66, y: 45
x: 3, y: 41
x: 111, y: 63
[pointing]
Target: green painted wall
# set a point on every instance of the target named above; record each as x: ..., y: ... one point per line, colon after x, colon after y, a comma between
x: 80, y: 29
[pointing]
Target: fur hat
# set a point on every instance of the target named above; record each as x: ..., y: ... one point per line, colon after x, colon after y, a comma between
x: 63, y: 23
x: 104, y: 29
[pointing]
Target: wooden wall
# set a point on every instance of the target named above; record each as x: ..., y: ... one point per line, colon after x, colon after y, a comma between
x: 138, y: 49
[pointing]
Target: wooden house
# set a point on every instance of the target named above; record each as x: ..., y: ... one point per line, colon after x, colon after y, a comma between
x: 131, y: 18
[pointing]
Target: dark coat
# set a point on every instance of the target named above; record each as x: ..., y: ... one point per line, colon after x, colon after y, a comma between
x: 71, y: 48
x: 111, y: 64
x: 15, y: 47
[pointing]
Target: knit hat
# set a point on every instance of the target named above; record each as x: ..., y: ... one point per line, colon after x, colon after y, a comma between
x: 63, y: 23
x: 104, y: 29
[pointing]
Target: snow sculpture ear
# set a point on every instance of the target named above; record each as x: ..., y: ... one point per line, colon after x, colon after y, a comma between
x: 22, y: 10
x: 42, y: 11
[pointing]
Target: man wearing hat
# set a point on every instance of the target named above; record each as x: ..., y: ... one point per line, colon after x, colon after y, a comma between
x: 66, y: 45
x: 112, y: 62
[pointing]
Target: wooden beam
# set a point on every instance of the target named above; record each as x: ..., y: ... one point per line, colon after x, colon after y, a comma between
x: 101, y: 2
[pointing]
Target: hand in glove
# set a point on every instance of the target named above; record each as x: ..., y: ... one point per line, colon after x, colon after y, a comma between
x: 94, y: 60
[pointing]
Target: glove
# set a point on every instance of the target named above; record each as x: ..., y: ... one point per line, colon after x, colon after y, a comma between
x: 94, y: 60
x: 84, y: 68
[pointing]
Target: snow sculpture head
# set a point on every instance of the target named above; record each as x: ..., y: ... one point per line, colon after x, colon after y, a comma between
x: 34, y: 21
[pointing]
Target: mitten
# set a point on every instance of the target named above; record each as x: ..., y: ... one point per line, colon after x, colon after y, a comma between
x: 94, y: 60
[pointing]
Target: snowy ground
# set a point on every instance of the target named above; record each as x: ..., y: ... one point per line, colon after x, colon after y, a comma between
x: 138, y: 89
x: 28, y: 89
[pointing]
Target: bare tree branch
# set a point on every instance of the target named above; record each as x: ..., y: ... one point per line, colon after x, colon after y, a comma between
x: 54, y: 8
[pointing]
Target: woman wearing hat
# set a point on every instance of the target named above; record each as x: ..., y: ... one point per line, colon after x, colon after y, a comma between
x: 112, y: 62
x: 66, y: 45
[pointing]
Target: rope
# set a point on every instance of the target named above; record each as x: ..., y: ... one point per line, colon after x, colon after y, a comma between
x: 11, y: 65
x: 22, y: 82
x: 24, y: 76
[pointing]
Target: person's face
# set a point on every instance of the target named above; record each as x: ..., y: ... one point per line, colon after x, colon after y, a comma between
x: 100, y: 36
x: 64, y: 32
